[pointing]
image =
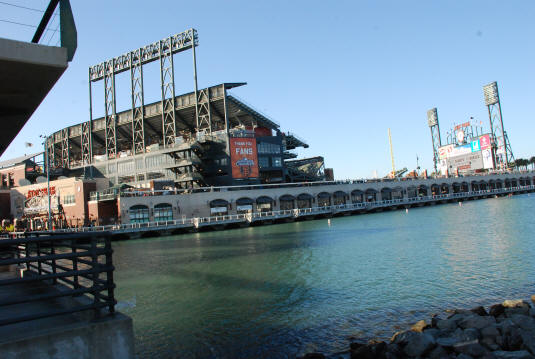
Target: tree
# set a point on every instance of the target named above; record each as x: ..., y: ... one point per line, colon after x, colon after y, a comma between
x: 532, y: 162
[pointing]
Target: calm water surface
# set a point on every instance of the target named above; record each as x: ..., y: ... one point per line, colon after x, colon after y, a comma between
x: 283, y: 290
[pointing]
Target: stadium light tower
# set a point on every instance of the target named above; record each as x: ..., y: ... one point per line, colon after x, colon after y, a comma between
x: 432, y: 121
x: 503, y: 153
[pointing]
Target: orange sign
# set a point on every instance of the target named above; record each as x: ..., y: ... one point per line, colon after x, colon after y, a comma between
x: 244, y: 158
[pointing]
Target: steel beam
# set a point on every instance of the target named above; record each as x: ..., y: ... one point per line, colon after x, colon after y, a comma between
x: 110, y: 111
x: 86, y: 143
x: 432, y: 121
x: 178, y: 43
x: 138, y: 104
x: 167, y: 76
x: 503, y: 154
x: 65, y: 152
x: 204, y: 114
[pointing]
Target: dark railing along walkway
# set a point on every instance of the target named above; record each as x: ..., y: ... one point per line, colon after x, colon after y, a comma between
x: 62, y: 266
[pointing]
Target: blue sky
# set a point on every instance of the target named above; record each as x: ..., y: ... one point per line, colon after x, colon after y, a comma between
x: 336, y: 73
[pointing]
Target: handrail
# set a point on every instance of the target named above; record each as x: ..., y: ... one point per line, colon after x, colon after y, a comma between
x: 81, y: 264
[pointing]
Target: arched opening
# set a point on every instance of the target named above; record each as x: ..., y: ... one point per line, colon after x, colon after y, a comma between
x: 264, y: 204
x: 386, y: 194
x: 482, y: 186
x: 339, y: 198
x: 456, y: 187
x: 324, y: 199
x: 465, y: 187
x: 507, y: 183
x: 444, y: 188
x: 492, y: 184
x: 357, y: 196
x: 514, y: 182
x: 475, y: 186
x: 244, y: 205
x: 304, y: 200
x: 422, y: 190
x: 499, y: 184
x: 286, y: 202
x: 139, y: 214
x: 435, y: 189
x: 412, y: 192
x: 397, y: 193
x: 219, y: 207
x: 163, y: 212
x: 370, y: 195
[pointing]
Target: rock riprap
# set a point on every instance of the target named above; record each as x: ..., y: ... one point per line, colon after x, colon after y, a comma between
x: 505, y: 331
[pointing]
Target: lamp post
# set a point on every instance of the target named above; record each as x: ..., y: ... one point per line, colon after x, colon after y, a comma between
x: 47, y: 164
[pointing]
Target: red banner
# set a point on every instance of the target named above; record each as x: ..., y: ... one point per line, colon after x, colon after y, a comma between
x: 244, y: 158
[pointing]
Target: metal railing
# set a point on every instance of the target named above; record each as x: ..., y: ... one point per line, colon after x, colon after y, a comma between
x: 65, y: 266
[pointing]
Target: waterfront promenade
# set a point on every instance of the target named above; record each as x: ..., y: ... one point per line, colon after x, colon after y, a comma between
x: 184, y: 224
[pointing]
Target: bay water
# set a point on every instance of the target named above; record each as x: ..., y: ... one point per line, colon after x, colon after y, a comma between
x: 283, y: 290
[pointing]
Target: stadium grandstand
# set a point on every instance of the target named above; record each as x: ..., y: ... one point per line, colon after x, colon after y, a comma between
x: 207, y: 137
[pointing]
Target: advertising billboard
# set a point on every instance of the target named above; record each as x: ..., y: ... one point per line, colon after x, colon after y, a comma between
x: 445, y: 151
x: 488, y: 162
x: 484, y: 142
x: 461, y: 150
x: 466, y: 162
x: 475, y: 145
x: 244, y: 158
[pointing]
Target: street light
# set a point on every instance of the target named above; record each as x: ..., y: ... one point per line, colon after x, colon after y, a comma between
x: 47, y: 164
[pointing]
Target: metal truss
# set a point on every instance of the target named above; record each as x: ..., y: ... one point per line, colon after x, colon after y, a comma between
x: 86, y: 143
x: 133, y: 61
x: 174, y: 44
x: 204, y: 116
x: 65, y: 153
x: 503, y: 155
x: 167, y: 75
x: 109, y: 99
x: 432, y: 121
x: 138, y: 109
x: 51, y: 155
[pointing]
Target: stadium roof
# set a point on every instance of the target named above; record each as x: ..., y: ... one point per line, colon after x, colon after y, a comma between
x: 18, y: 160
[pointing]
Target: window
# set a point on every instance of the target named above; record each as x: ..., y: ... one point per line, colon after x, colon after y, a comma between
x: 139, y: 214
x: 263, y: 162
x: 267, y: 148
x: 277, y: 162
x: 163, y: 212
x: 125, y: 167
x: 69, y: 199
x: 126, y: 179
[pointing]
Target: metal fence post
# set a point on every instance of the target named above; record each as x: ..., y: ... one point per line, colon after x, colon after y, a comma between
x: 75, y: 264
x: 109, y: 275
x: 95, y: 269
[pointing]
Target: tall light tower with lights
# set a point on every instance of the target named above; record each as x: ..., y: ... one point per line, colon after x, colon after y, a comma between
x: 503, y: 154
x: 432, y: 121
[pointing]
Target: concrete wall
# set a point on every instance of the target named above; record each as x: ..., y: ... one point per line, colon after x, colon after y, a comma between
x: 198, y: 204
